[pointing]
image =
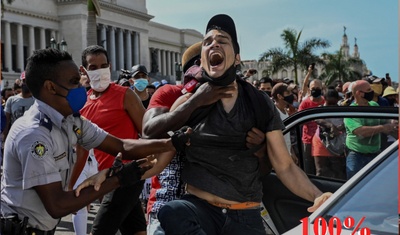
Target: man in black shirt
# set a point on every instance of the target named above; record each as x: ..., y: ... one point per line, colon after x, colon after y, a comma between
x: 222, y: 175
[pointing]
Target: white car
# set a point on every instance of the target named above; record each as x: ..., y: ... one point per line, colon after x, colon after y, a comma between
x: 371, y: 195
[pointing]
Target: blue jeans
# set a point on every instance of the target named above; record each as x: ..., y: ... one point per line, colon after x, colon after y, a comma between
x: 355, y: 161
x: 195, y: 216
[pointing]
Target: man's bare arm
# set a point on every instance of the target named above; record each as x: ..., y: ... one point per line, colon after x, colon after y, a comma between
x: 289, y: 173
x: 81, y: 158
x: 134, y: 149
x: 158, y: 121
x: 60, y: 203
x: 134, y: 107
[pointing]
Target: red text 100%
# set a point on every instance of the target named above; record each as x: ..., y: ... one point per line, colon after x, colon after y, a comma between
x: 334, y: 226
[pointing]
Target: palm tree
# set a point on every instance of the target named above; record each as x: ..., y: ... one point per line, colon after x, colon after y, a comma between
x: 295, y: 54
x: 91, y: 31
x: 341, y: 68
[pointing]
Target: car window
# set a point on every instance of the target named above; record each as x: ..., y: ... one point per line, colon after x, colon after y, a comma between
x: 374, y: 198
x: 329, y: 147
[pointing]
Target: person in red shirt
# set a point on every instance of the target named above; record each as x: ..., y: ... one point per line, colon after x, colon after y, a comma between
x: 314, y: 100
x: 119, y: 111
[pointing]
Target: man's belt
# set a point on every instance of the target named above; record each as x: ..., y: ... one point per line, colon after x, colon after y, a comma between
x: 238, y: 206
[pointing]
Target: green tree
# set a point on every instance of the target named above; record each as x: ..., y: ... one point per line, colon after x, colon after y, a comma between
x: 91, y: 31
x: 339, y: 67
x: 295, y: 53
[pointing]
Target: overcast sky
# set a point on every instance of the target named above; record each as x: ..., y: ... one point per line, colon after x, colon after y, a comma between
x: 259, y: 24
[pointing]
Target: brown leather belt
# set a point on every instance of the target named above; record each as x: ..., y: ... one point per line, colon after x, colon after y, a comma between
x: 238, y: 206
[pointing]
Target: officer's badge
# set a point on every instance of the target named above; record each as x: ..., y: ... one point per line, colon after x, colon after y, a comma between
x: 77, y: 131
x: 38, y: 150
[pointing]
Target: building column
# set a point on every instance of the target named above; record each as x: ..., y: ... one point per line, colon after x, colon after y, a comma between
x: 168, y: 63
x: 7, y: 46
x: 103, y: 36
x: 112, y: 47
x: 42, y: 38
x: 159, y: 60
x: 121, y: 64
x: 31, y: 47
x: 20, y: 48
x: 175, y: 60
x: 53, y: 34
x: 136, y: 49
x: 128, y: 49
x: 164, y: 62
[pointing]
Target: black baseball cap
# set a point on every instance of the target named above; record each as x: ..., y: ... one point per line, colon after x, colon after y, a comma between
x: 139, y: 68
x: 225, y: 23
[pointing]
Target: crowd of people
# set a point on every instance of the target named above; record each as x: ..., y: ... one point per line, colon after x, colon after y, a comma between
x: 73, y: 136
x: 358, y: 140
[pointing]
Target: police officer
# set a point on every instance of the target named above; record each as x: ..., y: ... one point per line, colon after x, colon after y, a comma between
x: 39, y: 151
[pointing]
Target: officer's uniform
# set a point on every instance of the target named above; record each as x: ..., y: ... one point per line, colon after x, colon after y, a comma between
x: 39, y: 151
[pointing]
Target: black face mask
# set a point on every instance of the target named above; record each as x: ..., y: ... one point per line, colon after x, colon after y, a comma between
x: 369, y: 95
x: 316, y: 93
x: 289, y: 99
x: 87, y: 88
x: 224, y: 80
x: 268, y: 93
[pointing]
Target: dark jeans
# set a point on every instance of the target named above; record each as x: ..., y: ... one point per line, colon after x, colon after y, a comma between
x: 355, y: 161
x: 120, y: 210
x: 195, y: 216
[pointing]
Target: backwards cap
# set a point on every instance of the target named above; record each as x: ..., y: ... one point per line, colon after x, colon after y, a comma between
x: 225, y: 23
x: 190, y: 56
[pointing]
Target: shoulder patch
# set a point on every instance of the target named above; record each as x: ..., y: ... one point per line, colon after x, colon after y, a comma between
x: 39, y: 150
x: 46, y: 122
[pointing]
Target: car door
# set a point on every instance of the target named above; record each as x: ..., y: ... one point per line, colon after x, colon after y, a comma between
x: 285, y: 208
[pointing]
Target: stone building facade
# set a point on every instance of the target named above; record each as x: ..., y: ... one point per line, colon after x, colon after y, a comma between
x: 124, y: 28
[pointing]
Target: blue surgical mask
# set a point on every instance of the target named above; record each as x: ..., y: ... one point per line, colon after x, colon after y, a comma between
x: 76, y: 97
x: 140, y: 84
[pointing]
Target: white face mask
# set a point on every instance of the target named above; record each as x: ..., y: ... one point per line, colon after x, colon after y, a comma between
x: 99, y: 79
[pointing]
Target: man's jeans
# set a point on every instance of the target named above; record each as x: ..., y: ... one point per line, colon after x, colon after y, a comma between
x: 355, y: 161
x: 195, y: 216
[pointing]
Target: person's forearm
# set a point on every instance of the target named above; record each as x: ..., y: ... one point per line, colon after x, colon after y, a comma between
x: 298, y: 183
x: 136, y: 149
x: 304, y: 89
x: 367, y: 131
x: 82, y: 156
x: 157, y: 126
x: 69, y: 203
x: 163, y: 159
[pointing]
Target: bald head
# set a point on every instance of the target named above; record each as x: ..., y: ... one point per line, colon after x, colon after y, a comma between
x: 361, y: 85
x: 316, y: 83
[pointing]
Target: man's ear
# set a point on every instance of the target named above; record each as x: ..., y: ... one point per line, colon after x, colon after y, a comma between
x: 237, y: 59
x: 82, y: 70
x: 49, y: 87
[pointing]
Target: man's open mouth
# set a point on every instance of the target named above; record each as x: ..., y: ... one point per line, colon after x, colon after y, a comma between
x: 216, y: 59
